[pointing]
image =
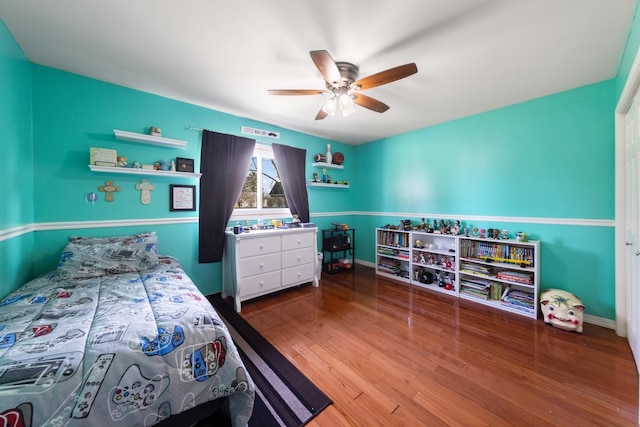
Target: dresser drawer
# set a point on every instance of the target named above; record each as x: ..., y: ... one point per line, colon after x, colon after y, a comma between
x: 259, y: 246
x: 299, y: 257
x: 259, y: 265
x: 297, y: 275
x: 262, y: 283
x: 297, y: 241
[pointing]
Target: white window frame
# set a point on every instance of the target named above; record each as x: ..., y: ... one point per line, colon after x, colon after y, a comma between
x: 260, y: 151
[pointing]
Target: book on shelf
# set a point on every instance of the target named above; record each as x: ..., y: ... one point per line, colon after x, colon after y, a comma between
x: 515, y: 276
x: 475, y: 293
x: 498, y: 251
x: 476, y: 269
x: 518, y: 299
x: 476, y: 283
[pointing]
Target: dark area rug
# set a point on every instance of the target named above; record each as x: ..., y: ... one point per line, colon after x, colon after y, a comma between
x: 284, y: 396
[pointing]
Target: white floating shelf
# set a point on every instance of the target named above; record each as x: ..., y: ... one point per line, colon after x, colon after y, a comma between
x: 327, y: 165
x: 149, y: 139
x: 324, y: 184
x: 148, y: 172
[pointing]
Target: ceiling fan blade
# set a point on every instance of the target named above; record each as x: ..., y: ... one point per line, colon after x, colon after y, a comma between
x: 387, y: 76
x: 296, y: 92
x: 370, y: 103
x: 327, y: 67
x: 321, y: 114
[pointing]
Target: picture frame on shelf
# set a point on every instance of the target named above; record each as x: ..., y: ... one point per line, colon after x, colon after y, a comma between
x: 103, y: 157
x: 184, y: 165
x: 182, y: 197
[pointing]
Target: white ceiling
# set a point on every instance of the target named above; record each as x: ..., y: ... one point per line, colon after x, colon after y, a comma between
x: 472, y: 55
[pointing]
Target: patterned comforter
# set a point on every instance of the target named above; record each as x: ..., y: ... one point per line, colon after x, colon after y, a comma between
x: 125, y: 349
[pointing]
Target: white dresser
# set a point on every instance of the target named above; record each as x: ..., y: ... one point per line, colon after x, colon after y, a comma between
x: 261, y: 262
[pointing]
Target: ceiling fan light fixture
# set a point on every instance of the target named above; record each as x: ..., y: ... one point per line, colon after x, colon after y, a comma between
x: 329, y: 107
x: 346, y: 105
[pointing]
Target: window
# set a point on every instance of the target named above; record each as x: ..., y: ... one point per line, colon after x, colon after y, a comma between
x: 262, y: 193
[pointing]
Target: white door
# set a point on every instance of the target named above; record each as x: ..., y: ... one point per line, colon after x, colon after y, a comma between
x: 632, y: 209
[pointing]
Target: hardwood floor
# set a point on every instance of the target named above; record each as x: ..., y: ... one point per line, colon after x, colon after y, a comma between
x: 390, y: 354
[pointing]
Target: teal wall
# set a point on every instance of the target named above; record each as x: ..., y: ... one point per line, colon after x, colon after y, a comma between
x: 534, y: 167
x: 73, y: 113
x: 16, y: 173
x: 545, y: 167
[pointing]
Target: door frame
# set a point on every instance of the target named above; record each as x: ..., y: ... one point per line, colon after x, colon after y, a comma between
x: 624, y: 103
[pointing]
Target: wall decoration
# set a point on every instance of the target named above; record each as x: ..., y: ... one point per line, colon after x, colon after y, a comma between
x: 182, y: 197
x: 91, y: 197
x: 108, y: 189
x: 184, y: 165
x: 145, y: 188
x: 102, y: 157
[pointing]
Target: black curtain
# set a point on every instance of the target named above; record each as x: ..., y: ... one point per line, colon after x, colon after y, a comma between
x: 290, y: 162
x: 224, y: 162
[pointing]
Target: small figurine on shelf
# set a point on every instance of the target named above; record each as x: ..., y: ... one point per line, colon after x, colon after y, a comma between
x: 137, y: 165
x: 474, y: 231
x: 496, y: 233
x: 466, y: 232
x: 423, y: 225
x: 456, y: 228
x: 419, y: 244
x: 315, y: 177
x: 482, y: 231
x: 296, y: 218
x: 431, y: 260
x: 122, y: 161
x: 443, y: 227
x: 173, y: 165
x: 155, y: 131
x: 448, y: 283
x: 505, y: 234
x: 422, y: 260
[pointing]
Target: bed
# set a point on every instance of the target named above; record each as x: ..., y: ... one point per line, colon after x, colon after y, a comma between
x: 115, y: 335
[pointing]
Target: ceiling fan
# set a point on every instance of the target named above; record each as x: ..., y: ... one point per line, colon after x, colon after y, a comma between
x: 344, y: 88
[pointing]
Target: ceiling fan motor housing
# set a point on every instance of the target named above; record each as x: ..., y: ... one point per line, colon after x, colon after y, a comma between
x: 348, y: 71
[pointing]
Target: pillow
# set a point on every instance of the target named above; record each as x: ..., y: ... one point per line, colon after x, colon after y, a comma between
x: 85, y: 257
x: 140, y: 237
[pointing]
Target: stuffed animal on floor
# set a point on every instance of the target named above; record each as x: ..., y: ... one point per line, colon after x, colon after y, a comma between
x: 562, y: 309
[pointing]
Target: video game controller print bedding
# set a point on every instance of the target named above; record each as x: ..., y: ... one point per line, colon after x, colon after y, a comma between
x: 126, y: 349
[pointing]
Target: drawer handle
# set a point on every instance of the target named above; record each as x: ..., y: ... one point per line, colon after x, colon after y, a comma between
x: 261, y: 283
x: 261, y: 266
x: 299, y: 241
x: 261, y: 245
x: 299, y: 257
x: 299, y: 274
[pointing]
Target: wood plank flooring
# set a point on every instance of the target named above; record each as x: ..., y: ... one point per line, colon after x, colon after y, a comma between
x: 389, y: 354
